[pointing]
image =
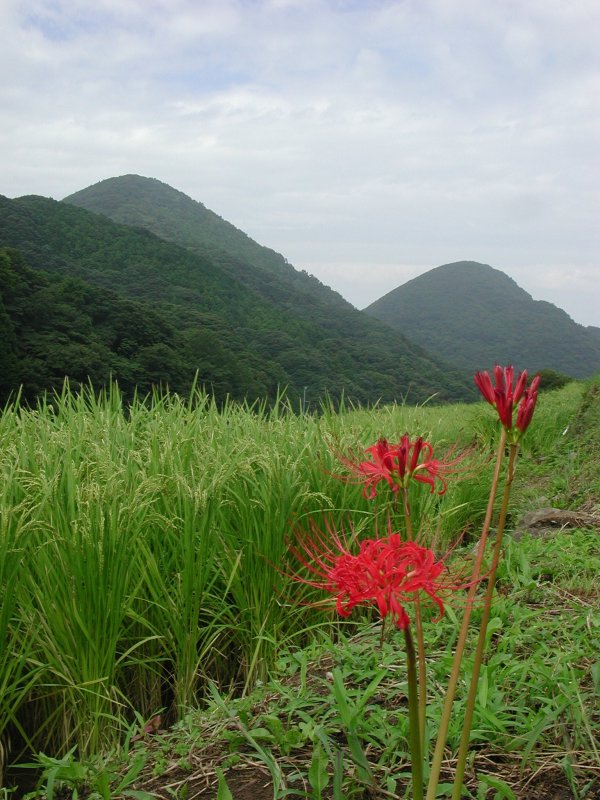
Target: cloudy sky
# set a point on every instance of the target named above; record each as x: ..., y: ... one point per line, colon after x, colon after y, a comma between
x: 366, y: 140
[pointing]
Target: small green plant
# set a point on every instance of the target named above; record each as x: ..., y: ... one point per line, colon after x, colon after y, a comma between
x: 94, y: 779
x: 59, y: 774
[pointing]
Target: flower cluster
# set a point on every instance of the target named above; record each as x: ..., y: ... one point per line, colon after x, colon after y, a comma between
x: 398, y: 464
x: 505, y: 398
x: 386, y: 572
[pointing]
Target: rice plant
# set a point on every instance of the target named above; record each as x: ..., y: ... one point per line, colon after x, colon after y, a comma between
x: 144, y: 549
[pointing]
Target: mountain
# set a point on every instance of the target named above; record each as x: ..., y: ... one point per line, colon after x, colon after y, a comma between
x: 173, y: 216
x: 474, y: 316
x: 148, y: 203
x: 243, y: 326
x: 53, y: 326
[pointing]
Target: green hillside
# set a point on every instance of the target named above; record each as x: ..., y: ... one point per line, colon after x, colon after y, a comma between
x: 242, y: 344
x: 473, y: 316
x: 53, y: 326
x: 148, y: 203
x: 139, y: 201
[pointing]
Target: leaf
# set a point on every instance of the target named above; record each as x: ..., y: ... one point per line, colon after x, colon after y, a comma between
x: 152, y: 726
x: 494, y: 625
x: 339, y: 693
x: 137, y: 765
x: 483, y: 686
x: 369, y: 691
x: 223, y: 792
x: 338, y: 774
x: 595, y: 670
x: 317, y: 772
x: 503, y: 790
x: 261, y: 733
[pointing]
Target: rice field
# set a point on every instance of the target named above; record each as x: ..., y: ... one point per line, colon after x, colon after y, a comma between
x: 144, y: 550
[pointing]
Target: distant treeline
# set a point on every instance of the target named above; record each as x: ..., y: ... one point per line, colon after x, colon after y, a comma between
x: 53, y: 327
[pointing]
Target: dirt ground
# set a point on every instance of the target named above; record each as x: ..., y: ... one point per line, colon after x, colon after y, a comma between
x: 249, y: 781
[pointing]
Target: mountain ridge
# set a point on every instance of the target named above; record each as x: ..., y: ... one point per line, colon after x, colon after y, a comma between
x: 474, y: 315
x: 140, y: 201
x: 321, y: 349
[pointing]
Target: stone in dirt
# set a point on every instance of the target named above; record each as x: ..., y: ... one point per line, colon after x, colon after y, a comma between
x: 556, y: 518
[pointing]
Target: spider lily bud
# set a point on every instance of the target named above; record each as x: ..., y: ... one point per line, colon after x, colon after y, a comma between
x: 505, y: 398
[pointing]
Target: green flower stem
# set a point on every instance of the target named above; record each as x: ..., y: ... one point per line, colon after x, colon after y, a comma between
x: 436, y: 764
x: 481, y: 642
x: 406, y: 512
x: 422, y: 670
x: 382, y: 634
x: 413, y: 717
x: 419, y: 626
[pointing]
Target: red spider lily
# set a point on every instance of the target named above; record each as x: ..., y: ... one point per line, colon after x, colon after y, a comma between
x: 527, y: 407
x: 381, y: 468
x: 397, y: 464
x: 386, y: 572
x: 505, y: 398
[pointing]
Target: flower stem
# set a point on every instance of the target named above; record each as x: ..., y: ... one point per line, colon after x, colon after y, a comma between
x: 419, y: 626
x: 422, y: 670
x: 406, y: 511
x: 481, y: 642
x: 413, y: 718
x: 436, y: 763
x: 382, y: 634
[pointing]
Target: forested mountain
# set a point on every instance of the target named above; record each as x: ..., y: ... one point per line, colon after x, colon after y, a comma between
x: 148, y: 203
x: 53, y: 326
x: 473, y: 316
x: 242, y: 343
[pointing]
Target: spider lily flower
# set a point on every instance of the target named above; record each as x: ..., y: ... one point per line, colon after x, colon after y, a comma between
x: 386, y: 572
x: 398, y: 464
x: 382, y: 467
x: 527, y: 407
x: 505, y: 398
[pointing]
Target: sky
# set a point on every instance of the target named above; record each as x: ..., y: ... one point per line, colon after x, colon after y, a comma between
x: 368, y: 141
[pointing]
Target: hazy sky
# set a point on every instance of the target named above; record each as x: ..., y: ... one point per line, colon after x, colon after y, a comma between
x: 366, y: 140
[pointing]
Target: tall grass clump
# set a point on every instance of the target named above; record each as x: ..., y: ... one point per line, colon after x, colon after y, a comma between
x: 79, y: 579
x: 17, y: 673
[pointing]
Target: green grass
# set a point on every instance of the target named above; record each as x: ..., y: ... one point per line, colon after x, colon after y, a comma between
x: 144, y: 564
x: 156, y: 537
x: 537, y: 705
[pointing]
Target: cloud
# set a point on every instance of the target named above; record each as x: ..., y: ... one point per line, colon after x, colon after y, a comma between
x: 363, y: 140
